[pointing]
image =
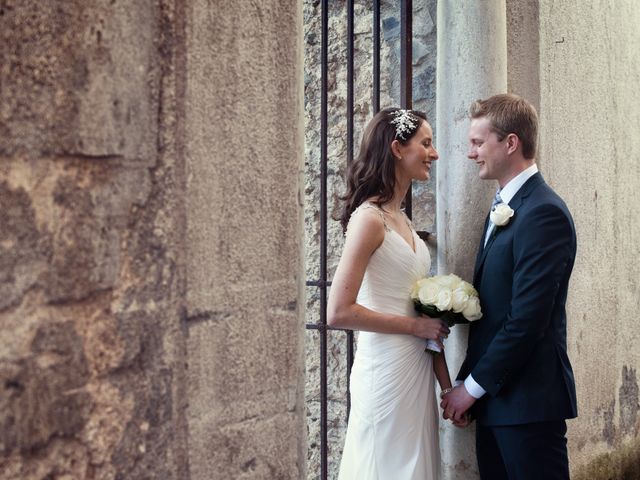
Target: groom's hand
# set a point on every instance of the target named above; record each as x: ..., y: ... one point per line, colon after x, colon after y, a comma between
x: 456, y: 403
x: 464, y: 422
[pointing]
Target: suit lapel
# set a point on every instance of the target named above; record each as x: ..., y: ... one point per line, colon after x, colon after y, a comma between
x: 515, y: 203
x: 481, y: 249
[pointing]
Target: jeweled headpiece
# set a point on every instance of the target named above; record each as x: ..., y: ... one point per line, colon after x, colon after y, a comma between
x: 405, y: 123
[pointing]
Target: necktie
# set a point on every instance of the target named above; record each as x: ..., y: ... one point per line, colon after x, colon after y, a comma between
x: 496, y: 200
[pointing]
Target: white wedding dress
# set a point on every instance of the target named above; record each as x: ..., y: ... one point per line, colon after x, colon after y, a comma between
x: 393, y: 425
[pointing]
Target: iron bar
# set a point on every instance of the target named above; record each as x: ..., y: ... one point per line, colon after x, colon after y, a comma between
x: 349, y: 365
x: 406, y: 100
x: 323, y: 238
x: 318, y: 283
x: 406, y: 32
x: 376, y: 56
x: 350, y: 80
x: 320, y: 327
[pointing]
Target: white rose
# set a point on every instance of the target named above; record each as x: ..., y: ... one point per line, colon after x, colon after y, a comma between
x: 444, y: 300
x: 450, y: 281
x: 428, y: 293
x: 460, y: 299
x: 416, y: 288
x: 472, y: 310
x: 501, y: 214
x: 468, y: 289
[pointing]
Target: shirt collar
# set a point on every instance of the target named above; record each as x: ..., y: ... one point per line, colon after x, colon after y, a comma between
x: 510, y: 189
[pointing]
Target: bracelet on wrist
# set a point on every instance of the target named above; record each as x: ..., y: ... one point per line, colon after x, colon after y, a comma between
x: 445, y: 391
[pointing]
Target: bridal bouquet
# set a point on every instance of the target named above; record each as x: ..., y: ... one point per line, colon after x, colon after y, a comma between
x: 447, y: 297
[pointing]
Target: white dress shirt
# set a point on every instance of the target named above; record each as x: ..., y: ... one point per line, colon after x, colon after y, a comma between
x: 507, y: 193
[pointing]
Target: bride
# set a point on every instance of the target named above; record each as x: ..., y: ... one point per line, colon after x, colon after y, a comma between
x: 393, y: 424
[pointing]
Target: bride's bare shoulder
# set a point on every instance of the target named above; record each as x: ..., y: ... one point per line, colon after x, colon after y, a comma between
x: 367, y: 219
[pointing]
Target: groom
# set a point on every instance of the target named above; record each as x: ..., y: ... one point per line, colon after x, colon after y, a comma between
x: 516, y: 378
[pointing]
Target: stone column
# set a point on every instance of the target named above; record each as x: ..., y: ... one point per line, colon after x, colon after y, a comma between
x: 472, y: 64
x: 90, y: 346
x: 244, y: 126
x: 523, y: 50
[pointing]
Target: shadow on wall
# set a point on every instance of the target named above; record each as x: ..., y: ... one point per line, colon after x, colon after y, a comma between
x: 621, y: 464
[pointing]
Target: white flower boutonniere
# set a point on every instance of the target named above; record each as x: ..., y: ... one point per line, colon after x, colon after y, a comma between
x: 501, y: 214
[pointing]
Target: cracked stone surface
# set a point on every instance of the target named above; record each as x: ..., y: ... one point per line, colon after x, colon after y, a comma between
x: 88, y: 266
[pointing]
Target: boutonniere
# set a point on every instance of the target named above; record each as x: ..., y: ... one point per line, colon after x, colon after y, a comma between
x: 501, y: 215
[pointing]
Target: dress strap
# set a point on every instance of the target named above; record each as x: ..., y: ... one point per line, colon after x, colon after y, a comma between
x: 369, y: 205
x: 406, y: 219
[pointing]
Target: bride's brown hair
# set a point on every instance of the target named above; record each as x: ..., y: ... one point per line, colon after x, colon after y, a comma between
x: 372, y: 173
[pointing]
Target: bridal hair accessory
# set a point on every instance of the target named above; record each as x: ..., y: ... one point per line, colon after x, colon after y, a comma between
x: 405, y: 123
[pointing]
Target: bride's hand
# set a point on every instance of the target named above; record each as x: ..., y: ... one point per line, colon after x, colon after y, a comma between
x: 463, y: 422
x: 430, y: 328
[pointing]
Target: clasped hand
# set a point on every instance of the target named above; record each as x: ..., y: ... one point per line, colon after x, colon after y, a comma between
x: 455, y: 405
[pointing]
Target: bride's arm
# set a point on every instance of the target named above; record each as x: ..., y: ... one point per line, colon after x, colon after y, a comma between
x: 364, y: 235
x: 441, y: 371
x: 444, y: 379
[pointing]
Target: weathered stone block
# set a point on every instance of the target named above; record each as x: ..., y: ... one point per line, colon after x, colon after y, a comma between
x: 72, y: 83
x: 24, y: 249
x: 42, y: 393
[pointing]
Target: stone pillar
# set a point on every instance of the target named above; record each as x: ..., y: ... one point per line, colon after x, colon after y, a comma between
x: 523, y: 50
x: 150, y: 232
x: 472, y: 64
x: 91, y: 353
x: 244, y: 137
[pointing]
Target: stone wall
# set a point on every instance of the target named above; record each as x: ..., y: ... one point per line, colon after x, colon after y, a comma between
x: 150, y: 240
x: 244, y: 149
x: 89, y: 315
x: 424, y: 194
x: 589, y: 77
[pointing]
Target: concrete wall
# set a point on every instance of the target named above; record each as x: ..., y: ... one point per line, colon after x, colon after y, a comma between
x: 578, y: 63
x: 150, y: 232
x: 244, y: 124
x: 89, y: 258
x: 589, y: 82
x: 523, y: 51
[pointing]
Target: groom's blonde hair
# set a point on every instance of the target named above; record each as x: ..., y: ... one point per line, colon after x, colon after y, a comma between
x: 510, y: 113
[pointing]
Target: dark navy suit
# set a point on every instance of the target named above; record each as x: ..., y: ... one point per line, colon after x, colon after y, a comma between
x: 518, y: 351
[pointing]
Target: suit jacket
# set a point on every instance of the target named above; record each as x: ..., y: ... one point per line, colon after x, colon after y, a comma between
x: 518, y: 350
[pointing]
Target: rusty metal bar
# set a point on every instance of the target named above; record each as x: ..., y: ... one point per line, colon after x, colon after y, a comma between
x: 318, y: 283
x: 323, y: 237
x: 350, y: 81
x: 349, y: 365
x: 350, y: 84
x: 376, y: 56
x: 406, y: 72
x: 320, y: 327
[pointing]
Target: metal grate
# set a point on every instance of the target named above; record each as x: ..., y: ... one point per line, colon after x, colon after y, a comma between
x: 322, y: 283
